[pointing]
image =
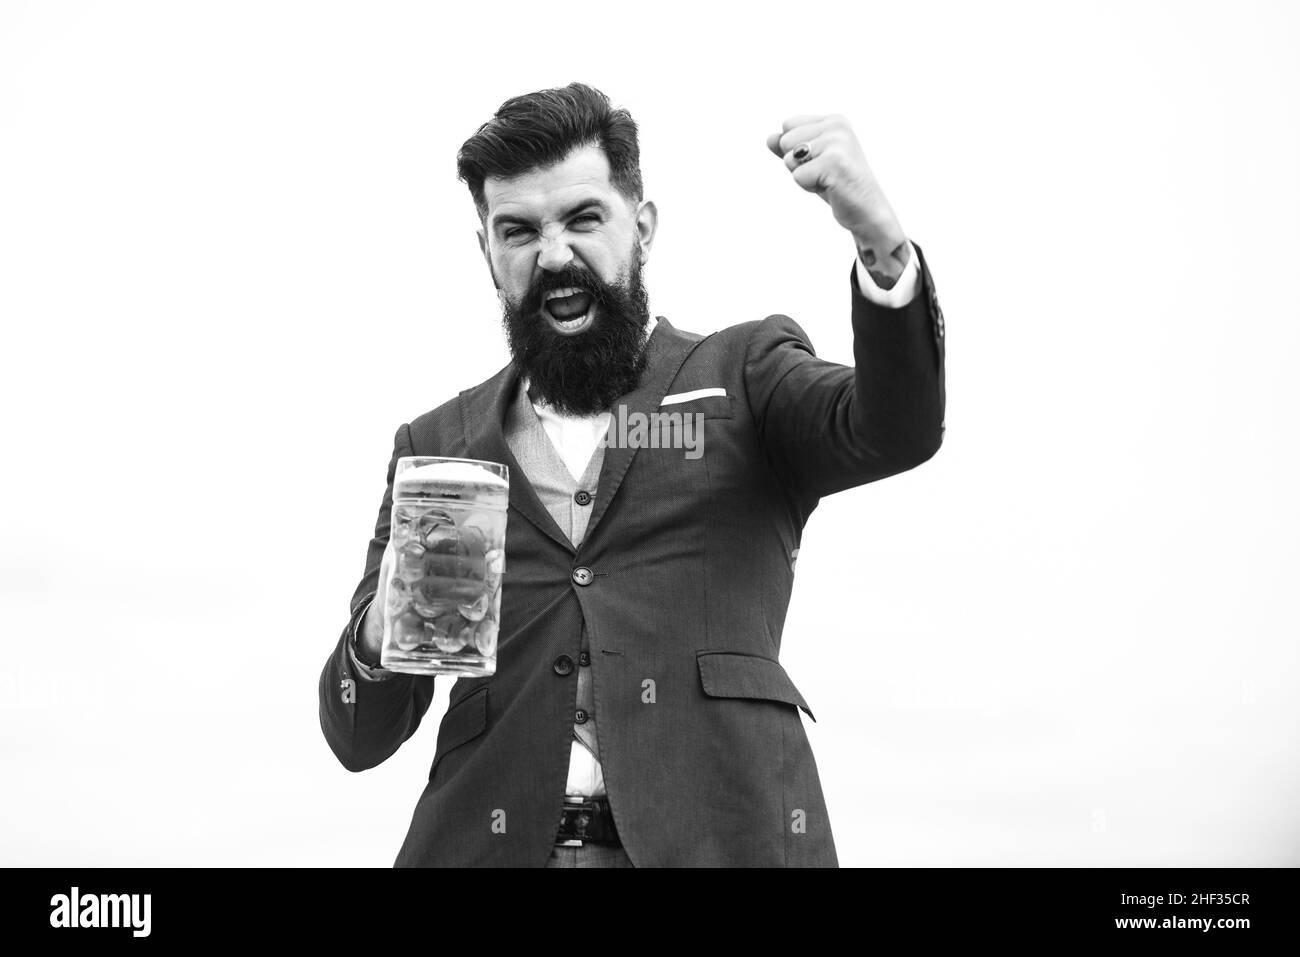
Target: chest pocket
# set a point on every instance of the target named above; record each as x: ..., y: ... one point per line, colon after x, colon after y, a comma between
x: 710, y: 406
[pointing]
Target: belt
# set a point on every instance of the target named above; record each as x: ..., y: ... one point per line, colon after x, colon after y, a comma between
x: 586, y: 822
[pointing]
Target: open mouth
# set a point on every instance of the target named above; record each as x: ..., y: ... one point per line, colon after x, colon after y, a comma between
x: 569, y: 310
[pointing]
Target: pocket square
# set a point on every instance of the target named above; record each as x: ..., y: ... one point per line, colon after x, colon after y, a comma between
x: 677, y: 397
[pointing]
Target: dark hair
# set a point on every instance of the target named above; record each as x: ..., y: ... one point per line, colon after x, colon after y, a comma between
x: 540, y: 129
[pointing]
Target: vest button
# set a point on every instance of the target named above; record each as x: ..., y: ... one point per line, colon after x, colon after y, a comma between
x: 563, y: 665
x: 584, y: 659
x: 580, y: 717
x: 582, y: 575
x: 582, y: 497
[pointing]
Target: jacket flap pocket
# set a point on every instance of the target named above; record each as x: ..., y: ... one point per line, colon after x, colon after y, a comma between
x: 726, y: 674
x: 463, y: 688
x: 464, y: 721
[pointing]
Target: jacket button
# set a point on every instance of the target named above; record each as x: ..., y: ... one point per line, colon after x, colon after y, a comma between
x: 580, y: 717
x: 582, y: 497
x: 582, y: 575
x: 563, y: 665
x: 584, y: 659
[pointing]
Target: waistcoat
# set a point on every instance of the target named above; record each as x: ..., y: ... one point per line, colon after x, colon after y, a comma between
x: 558, y: 492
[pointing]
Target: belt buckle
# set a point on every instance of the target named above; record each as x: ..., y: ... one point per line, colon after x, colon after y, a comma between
x: 578, y: 805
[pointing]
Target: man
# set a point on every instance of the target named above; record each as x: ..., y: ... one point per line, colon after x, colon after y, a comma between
x: 639, y: 714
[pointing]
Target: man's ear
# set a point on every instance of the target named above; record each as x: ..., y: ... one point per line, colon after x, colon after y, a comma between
x: 487, y: 256
x: 647, y: 223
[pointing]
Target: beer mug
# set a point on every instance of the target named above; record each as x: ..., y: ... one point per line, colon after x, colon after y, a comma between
x: 441, y: 587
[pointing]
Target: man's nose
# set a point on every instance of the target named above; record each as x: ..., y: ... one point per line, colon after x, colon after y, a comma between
x: 555, y: 254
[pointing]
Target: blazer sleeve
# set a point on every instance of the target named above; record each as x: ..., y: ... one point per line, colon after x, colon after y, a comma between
x: 826, y: 427
x: 365, y: 721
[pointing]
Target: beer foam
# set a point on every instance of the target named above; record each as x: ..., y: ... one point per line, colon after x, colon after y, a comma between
x: 451, y: 472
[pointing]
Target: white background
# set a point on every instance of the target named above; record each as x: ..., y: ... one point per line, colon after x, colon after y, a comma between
x: 234, y: 257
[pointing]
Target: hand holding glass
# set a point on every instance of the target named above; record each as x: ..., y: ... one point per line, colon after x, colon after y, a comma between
x: 440, y: 584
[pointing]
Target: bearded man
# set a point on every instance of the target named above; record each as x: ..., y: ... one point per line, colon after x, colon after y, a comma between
x: 639, y: 714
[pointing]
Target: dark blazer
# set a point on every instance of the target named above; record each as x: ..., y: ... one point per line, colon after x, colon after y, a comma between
x: 693, y: 562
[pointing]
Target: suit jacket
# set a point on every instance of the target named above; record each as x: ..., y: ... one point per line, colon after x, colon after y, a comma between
x: 705, y: 757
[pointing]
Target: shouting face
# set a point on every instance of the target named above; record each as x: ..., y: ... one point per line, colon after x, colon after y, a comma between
x: 565, y: 249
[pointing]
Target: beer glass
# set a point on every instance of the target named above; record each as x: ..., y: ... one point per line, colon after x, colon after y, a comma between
x: 441, y: 587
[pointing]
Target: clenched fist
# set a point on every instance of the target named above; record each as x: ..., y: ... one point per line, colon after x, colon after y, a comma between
x: 824, y: 157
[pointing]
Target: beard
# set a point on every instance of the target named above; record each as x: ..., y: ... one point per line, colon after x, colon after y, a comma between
x: 582, y: 373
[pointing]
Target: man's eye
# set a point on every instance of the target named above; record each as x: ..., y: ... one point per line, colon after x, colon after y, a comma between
x: 587, y: 219
x: 517, y: 232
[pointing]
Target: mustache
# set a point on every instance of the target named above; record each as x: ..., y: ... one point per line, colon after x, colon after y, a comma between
x: 572, y: 275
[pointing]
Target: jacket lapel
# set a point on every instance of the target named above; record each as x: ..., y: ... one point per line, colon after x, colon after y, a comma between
x: 483, y: 411
x: 666, y: 350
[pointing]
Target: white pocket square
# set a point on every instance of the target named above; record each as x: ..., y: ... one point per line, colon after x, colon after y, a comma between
x: 677, y: 397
